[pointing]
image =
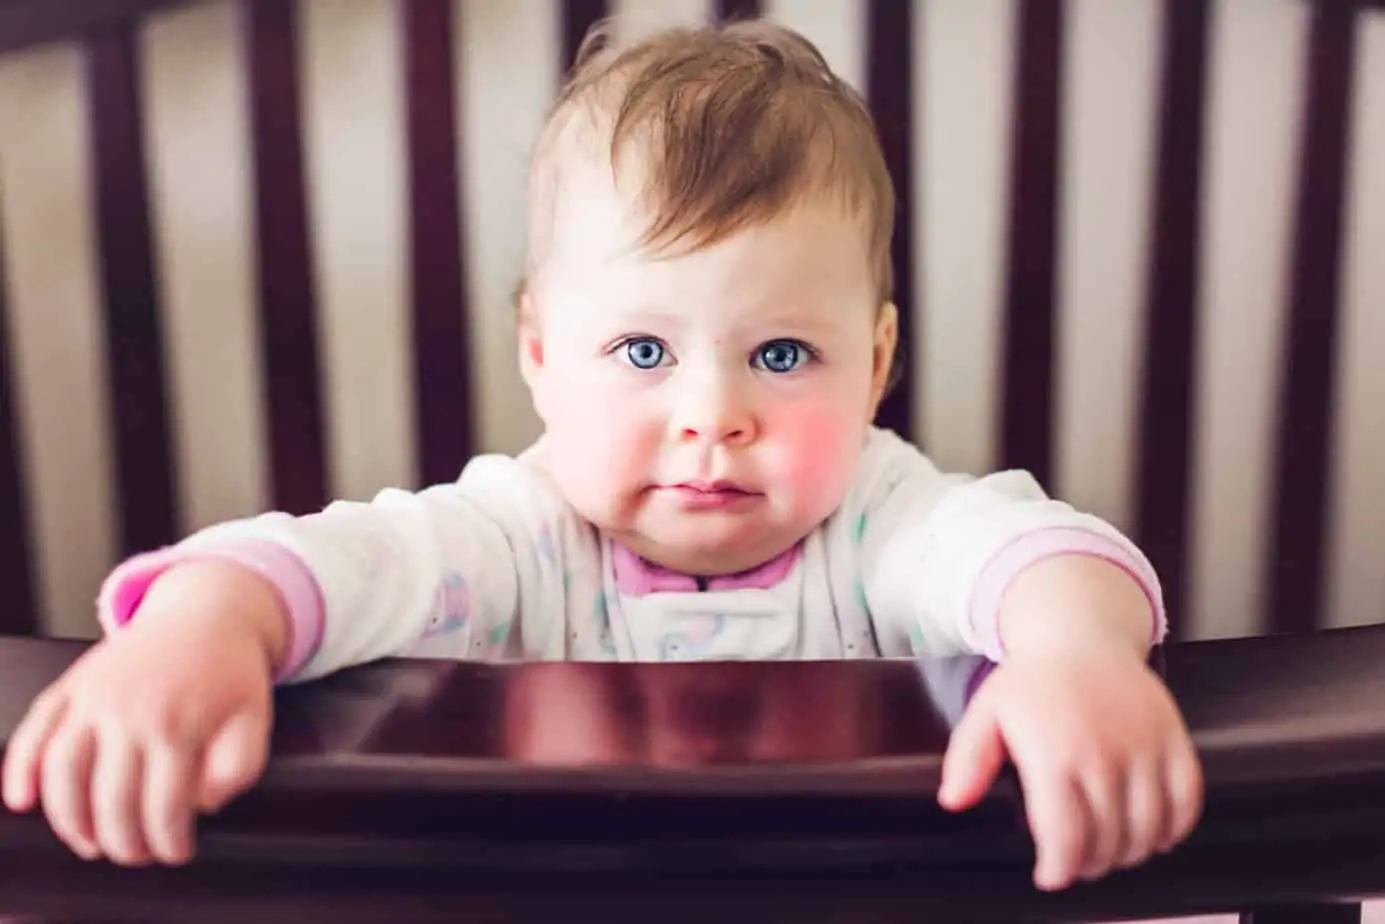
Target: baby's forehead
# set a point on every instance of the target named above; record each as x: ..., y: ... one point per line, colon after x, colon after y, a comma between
x: 632, y: 192
x: 600, y: 227
x: 806, y: 270
x: 598, y: 209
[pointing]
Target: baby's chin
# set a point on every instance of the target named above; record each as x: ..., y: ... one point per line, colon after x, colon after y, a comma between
x: 706, y: 550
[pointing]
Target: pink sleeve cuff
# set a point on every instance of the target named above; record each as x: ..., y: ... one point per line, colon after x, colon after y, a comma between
x: 124, y: 589
x: 1034, y: 547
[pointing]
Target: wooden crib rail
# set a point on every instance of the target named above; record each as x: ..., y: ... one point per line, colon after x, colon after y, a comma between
x: 423, y: 790
x: 30, y: 22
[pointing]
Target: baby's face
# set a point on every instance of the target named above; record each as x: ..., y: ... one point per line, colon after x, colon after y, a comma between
x: 707, y: 409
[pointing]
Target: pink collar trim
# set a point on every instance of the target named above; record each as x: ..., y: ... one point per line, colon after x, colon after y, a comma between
x: 637, y: 576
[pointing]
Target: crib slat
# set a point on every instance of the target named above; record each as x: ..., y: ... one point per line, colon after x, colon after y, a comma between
x: 20, y: 614
x: 731, y: 10
x: 144, y: 467
x: 1254, y: 119
x: 889, y: 88
x: 1027, y: 364
x: 440, y: 313
x: 288, y: 313
x: 1296, y: 559
x: 1164, y: 450
x: 578, y: 18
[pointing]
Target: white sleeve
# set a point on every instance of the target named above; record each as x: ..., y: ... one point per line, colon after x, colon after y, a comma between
x: 470, y: 569
x: 935, y: 551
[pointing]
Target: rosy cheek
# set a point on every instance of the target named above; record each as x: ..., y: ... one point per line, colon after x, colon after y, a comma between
x: 818, y: 444
x: 602, y: 435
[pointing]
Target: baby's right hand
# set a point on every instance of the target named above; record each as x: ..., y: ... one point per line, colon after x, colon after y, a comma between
x: 167, y: 716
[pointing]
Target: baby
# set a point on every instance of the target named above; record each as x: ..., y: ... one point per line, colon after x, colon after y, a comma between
x: 706, y: 330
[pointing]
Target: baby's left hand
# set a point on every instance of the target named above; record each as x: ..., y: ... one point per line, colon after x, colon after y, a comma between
x: 1104, y: 758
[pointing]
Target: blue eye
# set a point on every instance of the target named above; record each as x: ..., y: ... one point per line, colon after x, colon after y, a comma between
x: 781, y: 355
x: 644, y: 352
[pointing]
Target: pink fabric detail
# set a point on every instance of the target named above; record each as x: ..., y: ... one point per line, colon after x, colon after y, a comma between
x: 1031, y: 548
x: 983, y: 670
x: 124, y: 589
x: 637, y: 576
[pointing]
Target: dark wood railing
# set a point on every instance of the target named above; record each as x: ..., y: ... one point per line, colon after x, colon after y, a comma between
x: 803, y: 792
x: 30, y: 22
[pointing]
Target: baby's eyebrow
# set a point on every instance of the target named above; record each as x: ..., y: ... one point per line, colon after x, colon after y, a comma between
x: 802, y: 320
x: 638, y: 316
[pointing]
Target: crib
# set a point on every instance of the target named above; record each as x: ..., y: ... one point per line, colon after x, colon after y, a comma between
x: 260, y: 253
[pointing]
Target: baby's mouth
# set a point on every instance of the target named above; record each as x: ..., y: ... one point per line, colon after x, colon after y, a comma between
x: 711, y: 487
x: 709, y: 495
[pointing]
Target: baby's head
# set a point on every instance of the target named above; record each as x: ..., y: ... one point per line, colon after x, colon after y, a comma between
x: 706, y: 324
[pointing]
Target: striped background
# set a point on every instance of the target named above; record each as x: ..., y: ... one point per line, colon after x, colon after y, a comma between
x: 259, y: 254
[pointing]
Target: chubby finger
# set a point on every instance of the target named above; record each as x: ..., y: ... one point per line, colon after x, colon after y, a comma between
x: 1060, y: 821
x: 975, y: 754
x: 1106, y: 797
x: 1148, y: 814
x: 24, y: 751
x: 66, y: 788
x: 117, y: 809
x: 1185, y: 797
x: 167, y: 804
x: 235, y: 759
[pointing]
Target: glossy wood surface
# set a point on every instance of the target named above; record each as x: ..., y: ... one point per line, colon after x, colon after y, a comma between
x: 749, y: 791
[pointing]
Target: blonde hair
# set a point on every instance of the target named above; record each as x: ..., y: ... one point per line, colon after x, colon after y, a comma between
x: 732, y: 126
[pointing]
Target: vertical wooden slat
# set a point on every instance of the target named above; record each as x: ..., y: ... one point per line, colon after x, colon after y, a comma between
x: 356, y: 163
x: 963, y: 123
x: 19, y: 616
x: 201, y: 208
x: 1110, y: 89
x: 1305, y: 431
x: 441, y: 342
x: 56, y: 326
x: 508, y: 65
x: 134, y: 336
x: 1027, y: 367
x: 1355, y: 581
x: 1164, y: 450
x: 732, y: 10
x: 287, y: 303
x: 578, y: 18
x: 1253, y: 122
x: 889, y: 88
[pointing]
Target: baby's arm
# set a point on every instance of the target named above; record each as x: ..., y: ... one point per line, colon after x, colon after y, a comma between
x: 1068, y: 608
x: 445, y: 569
x: 170, y: 713
x: 947, y: 561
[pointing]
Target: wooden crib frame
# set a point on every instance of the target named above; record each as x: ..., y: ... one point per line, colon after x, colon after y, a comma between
x: 392, y: 795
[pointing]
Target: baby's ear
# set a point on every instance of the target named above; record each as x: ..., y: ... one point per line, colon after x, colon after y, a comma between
x: 531, y: 352
x: 530, y: 337
x: 886, y: 341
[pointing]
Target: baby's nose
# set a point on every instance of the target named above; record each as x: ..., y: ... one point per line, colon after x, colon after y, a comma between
x: 716, y: 419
